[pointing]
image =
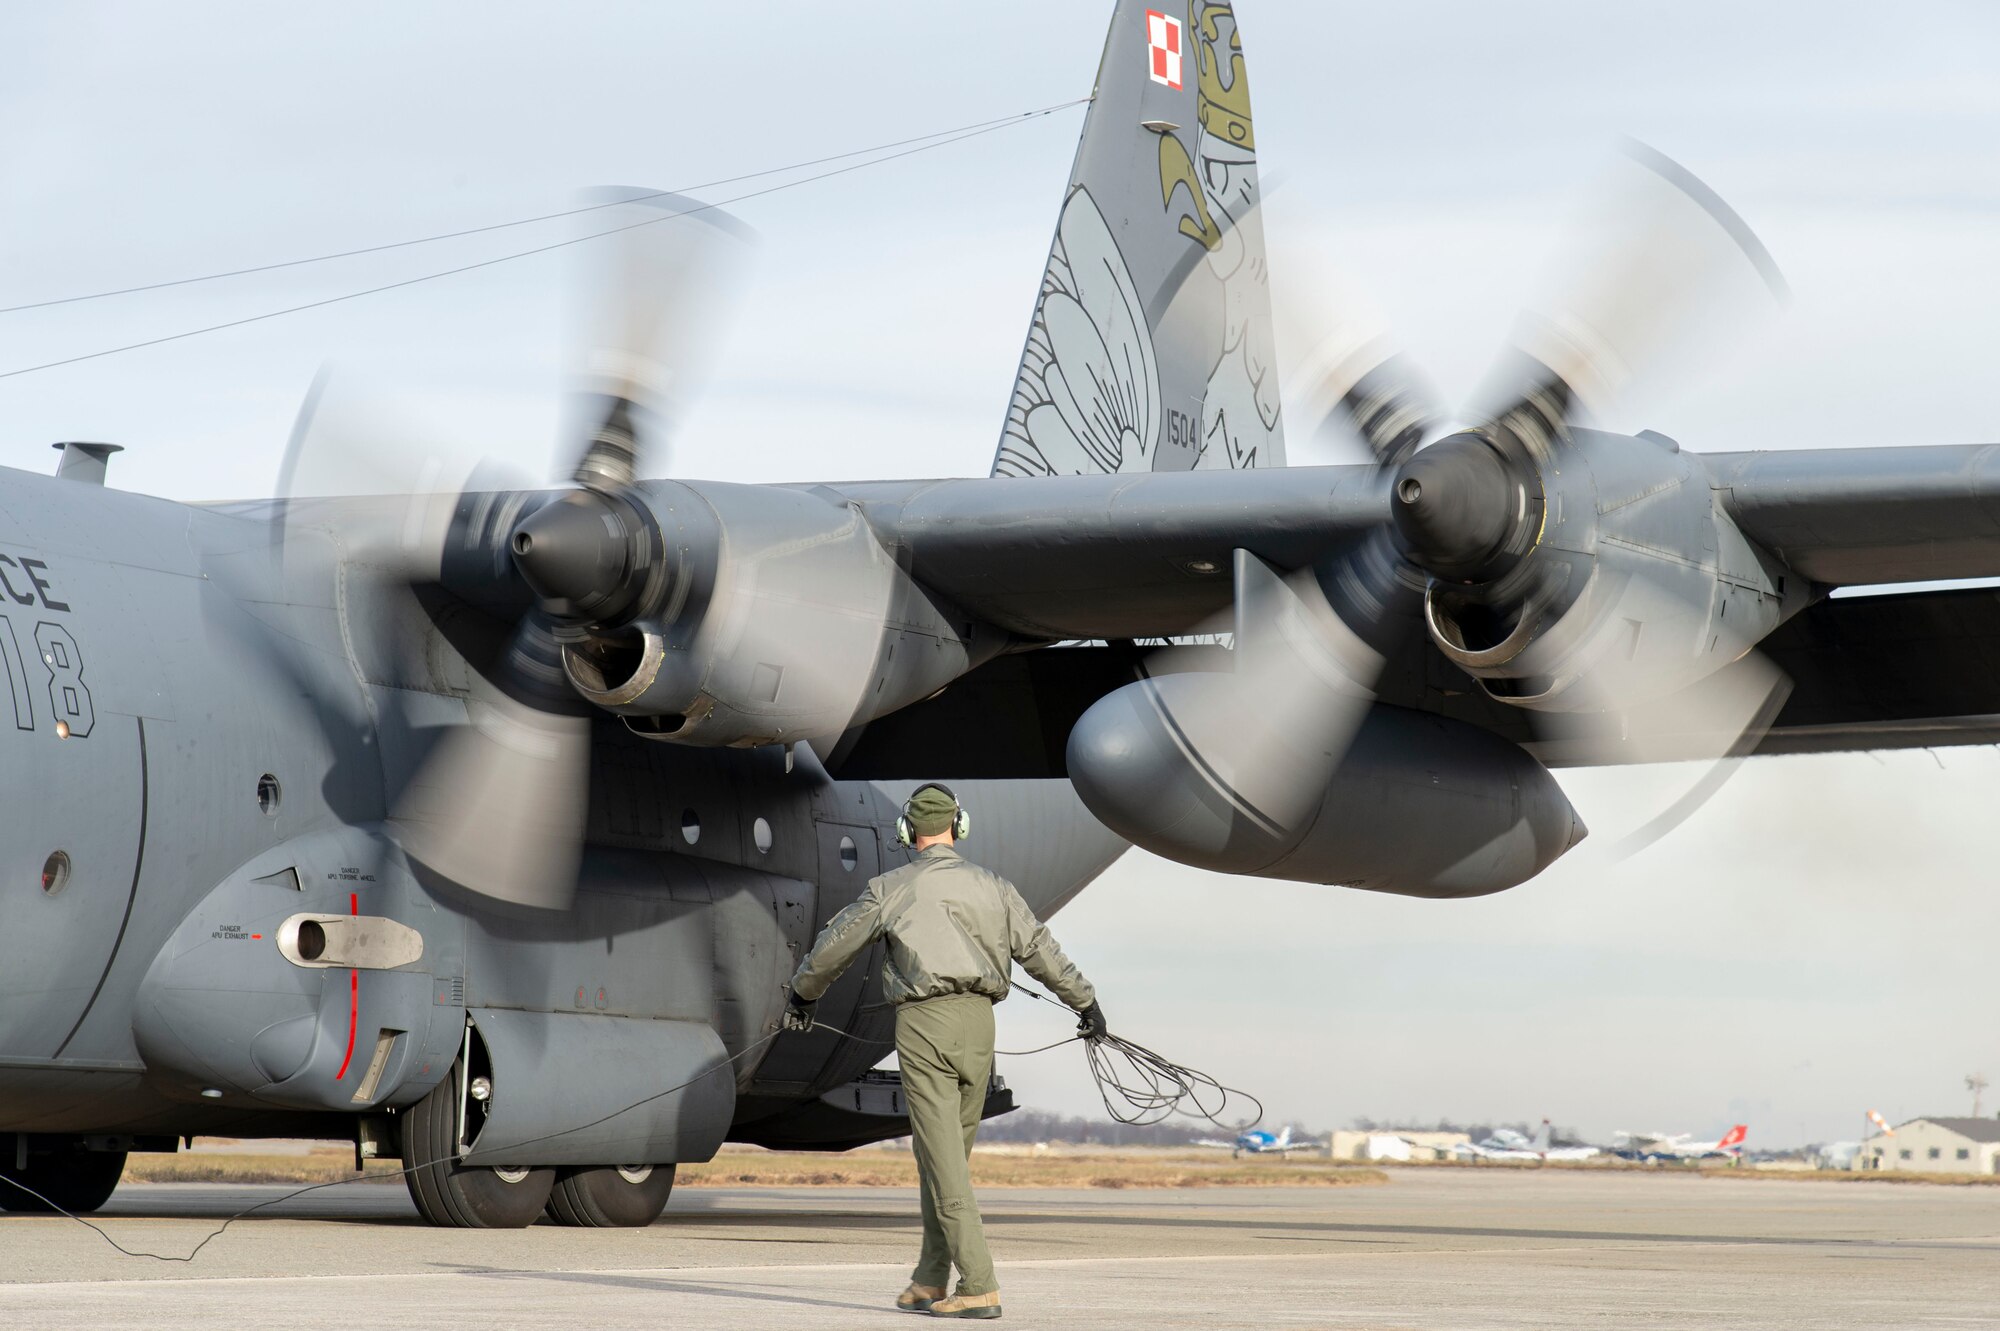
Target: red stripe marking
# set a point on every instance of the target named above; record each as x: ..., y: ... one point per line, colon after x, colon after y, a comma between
x: 353, y: 996
x: 353, y: 1015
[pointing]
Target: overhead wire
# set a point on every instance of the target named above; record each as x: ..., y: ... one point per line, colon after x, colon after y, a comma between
x: 978, y: 125
x: 940, y: 142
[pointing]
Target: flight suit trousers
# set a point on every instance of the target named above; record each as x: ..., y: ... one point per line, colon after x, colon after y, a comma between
x: 945, y: 1047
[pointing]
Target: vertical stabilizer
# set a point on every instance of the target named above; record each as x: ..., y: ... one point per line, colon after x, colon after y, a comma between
x: 1150, y: 348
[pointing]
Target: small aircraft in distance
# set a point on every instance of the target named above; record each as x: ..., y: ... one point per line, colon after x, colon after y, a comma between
x: 1512, y: 1144
x: 1654, y: 1148
x: 1264, y: 1143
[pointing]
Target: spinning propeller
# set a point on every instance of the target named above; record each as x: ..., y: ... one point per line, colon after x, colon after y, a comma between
x: 499, y: 805
x: 1578, y: 575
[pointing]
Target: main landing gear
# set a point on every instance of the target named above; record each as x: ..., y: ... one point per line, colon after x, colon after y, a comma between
x: 459, y: 1196
x: 61, y: 1169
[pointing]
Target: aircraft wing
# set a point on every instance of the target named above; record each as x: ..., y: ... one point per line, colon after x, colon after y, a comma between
x: 1147, y: 553
x: 1115, y: 557
x: 1127, y: 555
x: 1854, y: 516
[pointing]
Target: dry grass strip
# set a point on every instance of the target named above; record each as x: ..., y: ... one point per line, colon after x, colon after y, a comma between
x: 775, y: 1169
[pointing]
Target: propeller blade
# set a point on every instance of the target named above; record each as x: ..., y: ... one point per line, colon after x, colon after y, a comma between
x: 656, y: 299
x: 1657, y: 275
x: 1758, y: 694
x: 1304, y: 681
x: 499, y: 806
x: 383, y: 482
x: 1715, y: 722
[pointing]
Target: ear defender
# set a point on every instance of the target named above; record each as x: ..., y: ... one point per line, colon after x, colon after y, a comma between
x: 961, y: 821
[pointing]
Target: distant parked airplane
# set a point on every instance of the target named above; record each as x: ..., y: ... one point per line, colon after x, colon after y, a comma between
x: 1508, y: 1144
x: 1263, y: 1143
x: 1654, y: 1147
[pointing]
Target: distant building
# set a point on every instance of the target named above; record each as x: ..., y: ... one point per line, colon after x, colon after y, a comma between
x: 1936, y: 1146
x: 1394, y: 1144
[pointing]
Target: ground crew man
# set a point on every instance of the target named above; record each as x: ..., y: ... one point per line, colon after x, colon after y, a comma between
x: 954, y: 931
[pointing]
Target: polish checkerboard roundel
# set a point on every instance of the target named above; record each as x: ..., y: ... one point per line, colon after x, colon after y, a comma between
x: 1163, y: 46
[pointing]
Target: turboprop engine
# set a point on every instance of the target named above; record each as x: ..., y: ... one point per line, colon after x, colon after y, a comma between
x: 1573, y: 570
x: 1589, y: 579
x: 734, y: 614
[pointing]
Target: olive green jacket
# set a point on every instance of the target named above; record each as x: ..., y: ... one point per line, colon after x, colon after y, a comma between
x: 953, y: 928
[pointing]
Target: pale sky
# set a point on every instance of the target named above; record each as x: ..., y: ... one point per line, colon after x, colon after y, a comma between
x: 1812, y: 945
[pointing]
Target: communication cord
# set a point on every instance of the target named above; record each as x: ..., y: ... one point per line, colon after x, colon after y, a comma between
x: 1138, y: 1086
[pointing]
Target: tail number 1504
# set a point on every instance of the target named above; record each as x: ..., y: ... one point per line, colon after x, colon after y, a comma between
x: 69, y: 699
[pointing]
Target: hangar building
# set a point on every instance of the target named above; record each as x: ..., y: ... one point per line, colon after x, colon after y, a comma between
x: 1936, y: 1146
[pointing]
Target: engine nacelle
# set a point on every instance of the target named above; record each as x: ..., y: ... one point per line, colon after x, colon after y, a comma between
x: 1627, y: 582
x: 1419, y: 805
x: 772, y: 615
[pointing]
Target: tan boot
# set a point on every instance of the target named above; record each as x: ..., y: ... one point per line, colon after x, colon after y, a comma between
x: 985, y: 1305
x: 918, y: 1298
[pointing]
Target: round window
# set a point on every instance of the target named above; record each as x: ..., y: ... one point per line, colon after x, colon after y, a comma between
x: 849, y: 855
x: 269, y: 794
x: 55, y: 872
x: 690, y: 826
x: 760, y: 832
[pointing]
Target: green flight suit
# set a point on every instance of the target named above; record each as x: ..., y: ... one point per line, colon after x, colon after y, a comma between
x: 954, y: 931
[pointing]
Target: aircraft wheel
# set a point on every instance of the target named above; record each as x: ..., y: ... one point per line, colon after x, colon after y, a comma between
x: 455, y: 1196
x: 70, y: 1177
x: 611, y: 1196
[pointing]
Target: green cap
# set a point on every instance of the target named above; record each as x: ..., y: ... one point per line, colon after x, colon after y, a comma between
x: 930, y: 812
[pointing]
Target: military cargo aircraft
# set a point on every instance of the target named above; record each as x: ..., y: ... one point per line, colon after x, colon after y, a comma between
x: 479, y: 828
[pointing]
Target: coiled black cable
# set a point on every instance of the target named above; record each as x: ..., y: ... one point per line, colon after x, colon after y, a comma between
x: 1140, y: 1087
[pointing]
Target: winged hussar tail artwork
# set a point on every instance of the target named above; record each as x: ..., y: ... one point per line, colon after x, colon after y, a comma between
x: 1150, y: 348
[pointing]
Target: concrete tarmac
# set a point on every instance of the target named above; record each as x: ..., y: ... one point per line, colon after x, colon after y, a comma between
x: 1455, y: 1249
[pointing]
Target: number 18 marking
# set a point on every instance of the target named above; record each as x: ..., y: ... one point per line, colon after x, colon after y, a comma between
x: 69, y: 699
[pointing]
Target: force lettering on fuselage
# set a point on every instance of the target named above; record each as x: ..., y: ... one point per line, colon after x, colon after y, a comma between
x: 26, y: 581
x: 30, y: 571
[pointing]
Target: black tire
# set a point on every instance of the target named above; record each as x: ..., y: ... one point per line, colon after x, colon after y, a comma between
x: 611, y: 1197
x: 455, y: 1196
x: 71, y: 1178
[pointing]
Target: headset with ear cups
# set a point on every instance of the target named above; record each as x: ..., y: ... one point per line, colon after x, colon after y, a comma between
x: 961, y: 821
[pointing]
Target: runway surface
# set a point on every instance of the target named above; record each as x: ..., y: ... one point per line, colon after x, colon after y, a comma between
x: 1432, y: 1249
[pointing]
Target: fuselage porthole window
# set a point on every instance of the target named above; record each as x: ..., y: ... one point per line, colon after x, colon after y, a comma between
x: 55, y: 872
x: 760, y: 832
x: 849, y: 855
x: 269, y: 795
x: 690, y: 826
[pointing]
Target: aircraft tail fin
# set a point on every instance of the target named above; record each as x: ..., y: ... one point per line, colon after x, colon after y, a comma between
x: 1150, y: 347
x: 1542, y: 1138
x: 1734, y: 1137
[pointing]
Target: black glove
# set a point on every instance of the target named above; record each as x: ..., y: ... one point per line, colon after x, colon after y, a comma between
x: 1090, y: 1022
x: 798, y: 1013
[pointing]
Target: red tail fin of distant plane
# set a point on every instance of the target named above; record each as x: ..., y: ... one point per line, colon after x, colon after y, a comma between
x: 1734, y: 1137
